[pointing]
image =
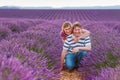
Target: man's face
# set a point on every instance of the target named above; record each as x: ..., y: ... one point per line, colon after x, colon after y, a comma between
x: 77, y: 31
x: 68, y: 30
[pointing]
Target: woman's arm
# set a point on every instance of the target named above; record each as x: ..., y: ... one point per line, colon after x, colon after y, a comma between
x: 63, y: 39
x: 85, y: 33
x: 63, y: 36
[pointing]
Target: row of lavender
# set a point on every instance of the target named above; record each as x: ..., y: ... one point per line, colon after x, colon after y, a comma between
x: 72, y: 15
x: 25, y: 50
x: 104, y: 61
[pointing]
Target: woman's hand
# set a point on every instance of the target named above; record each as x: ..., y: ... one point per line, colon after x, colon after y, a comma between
x: 76, y: 39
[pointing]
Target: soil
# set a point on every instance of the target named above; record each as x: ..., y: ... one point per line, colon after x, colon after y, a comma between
x: 70, y: 75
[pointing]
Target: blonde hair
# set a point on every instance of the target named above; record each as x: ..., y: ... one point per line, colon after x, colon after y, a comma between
x: 66, y: 24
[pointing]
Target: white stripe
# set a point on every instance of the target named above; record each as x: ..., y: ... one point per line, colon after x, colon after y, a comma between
x: 77, y: 44
x: 88, y: 44
x: 65, y: 48
x: 87, y: 37
x: 66, y: 45
x: 82, y: 41
x: 87, y: 40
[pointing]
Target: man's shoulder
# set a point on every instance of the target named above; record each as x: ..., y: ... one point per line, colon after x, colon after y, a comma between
x: 85, y: 38
x: 70, y: 36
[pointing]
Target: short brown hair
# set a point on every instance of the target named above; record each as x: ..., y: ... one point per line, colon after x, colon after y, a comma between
x: 66, y: 24
x: 77, y: 24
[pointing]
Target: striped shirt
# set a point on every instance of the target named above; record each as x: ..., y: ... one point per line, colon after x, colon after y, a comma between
x: 70, y: 43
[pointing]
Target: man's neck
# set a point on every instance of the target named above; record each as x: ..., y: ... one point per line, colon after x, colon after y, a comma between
x: 76, y: 36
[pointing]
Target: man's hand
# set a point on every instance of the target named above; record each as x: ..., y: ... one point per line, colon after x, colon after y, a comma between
x: 76, y: 49
x: 61, y: 68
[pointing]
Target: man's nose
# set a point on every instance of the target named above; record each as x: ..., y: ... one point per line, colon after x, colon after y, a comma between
x: 77, y: 30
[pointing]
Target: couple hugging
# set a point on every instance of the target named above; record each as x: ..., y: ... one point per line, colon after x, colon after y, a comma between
x: 76, y: 44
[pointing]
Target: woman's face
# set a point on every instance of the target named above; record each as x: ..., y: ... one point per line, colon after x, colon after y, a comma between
x: 68, y: 30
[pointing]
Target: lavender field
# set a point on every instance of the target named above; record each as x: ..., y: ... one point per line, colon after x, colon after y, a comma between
x: 30, y: 43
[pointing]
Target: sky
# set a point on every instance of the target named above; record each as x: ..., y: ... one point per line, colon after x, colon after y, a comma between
x: 58, y: 3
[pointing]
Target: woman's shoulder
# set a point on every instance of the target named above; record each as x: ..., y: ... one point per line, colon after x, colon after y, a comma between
x: 62, y: 34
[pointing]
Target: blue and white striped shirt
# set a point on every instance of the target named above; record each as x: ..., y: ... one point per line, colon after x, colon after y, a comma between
x: 70, y: 43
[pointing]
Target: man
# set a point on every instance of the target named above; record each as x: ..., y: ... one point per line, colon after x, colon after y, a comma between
x: 74, y: 51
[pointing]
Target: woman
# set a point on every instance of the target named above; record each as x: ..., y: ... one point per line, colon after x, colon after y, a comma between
x: 67, y: 30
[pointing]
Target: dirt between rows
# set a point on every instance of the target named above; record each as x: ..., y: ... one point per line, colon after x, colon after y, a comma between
x: 70, y: 75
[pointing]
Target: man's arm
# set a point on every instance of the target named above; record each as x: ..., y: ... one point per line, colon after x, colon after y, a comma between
x: 63, y: 57
x: 86, y: 48
x: 64, y: 52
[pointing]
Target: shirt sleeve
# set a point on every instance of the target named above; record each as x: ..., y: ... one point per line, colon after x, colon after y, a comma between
x: 88, y: 41
x: 66, y: 45
x: 62, y: 34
